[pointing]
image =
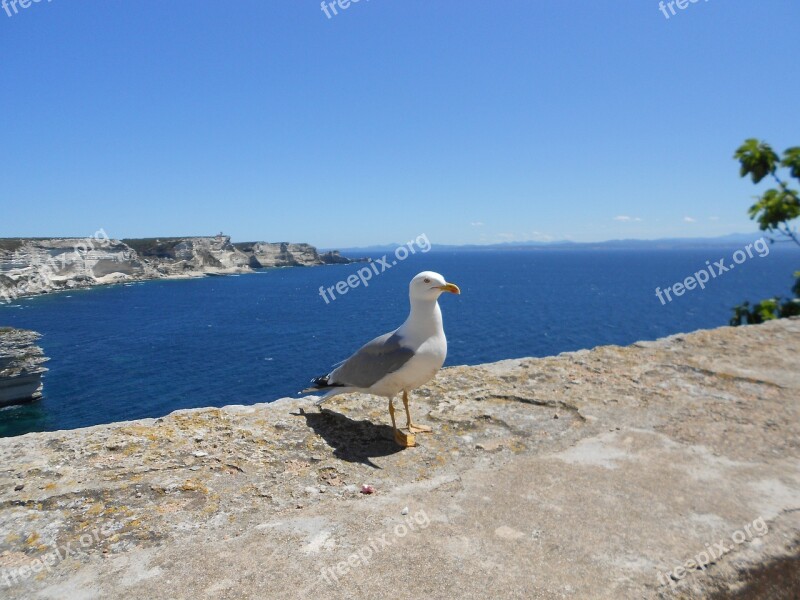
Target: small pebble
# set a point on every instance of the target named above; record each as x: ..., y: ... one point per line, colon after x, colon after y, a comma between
x: 404, y: 511
x: 367, y: 489
x: 19, y: 488
x: 199, y: 454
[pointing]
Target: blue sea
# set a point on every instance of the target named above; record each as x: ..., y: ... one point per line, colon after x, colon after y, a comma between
x: 147, y: 349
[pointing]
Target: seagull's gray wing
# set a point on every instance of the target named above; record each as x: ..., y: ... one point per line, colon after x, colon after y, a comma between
x: 373, y: 361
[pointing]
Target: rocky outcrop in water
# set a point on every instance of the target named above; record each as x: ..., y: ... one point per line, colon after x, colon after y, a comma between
x: 21, y: 367
x: 332, y: 257
x: 31, y: 266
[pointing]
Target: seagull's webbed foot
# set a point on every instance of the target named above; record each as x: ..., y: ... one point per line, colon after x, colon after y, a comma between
x: 406, y: 440
x: 409, y: 425
x: 418, y: 428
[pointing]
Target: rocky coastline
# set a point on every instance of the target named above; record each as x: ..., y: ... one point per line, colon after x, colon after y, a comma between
x: 21, y: 366
x: 32, y: 266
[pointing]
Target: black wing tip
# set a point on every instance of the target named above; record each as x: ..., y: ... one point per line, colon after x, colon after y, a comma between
x: 323, y: 382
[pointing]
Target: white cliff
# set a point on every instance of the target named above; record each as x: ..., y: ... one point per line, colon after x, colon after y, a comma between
x: 281, y: 254
x: 30, y: 266
x: 36, y: 266
x: 192, y: 256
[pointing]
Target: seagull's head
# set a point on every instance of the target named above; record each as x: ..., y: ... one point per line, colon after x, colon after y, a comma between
x: 429, y: 286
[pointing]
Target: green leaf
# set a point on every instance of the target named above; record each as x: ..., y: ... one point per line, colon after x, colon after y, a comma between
x: 791, y: 159
x: 757, y: 159
x: 775, y: 207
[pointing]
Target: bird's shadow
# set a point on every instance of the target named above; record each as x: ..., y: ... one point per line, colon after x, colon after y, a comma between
x: 353, y: 441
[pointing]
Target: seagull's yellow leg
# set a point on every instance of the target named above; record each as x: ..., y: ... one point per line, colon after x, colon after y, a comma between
x: 406, y: 441
x: 410, y: 426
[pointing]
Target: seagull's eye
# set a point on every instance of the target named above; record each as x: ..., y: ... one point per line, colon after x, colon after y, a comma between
x: 427, y: 280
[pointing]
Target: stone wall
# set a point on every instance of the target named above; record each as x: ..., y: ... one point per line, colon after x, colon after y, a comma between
x: 666, y: 469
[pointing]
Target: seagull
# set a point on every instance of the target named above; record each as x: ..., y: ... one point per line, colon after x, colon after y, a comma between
x: 399, y: 361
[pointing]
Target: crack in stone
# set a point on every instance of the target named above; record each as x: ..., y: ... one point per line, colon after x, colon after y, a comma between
x: 722, y: 375
x: 545, y: 403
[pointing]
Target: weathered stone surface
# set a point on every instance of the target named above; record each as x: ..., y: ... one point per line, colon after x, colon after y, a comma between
x: 21, y: 366
x: 585, y: 475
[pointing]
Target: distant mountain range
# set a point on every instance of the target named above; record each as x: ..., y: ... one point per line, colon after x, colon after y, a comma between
x: 732, y: 239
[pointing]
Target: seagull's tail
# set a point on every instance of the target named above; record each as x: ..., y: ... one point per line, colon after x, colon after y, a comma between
x: 323, y: 384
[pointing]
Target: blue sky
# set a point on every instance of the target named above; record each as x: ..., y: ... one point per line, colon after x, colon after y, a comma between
x: 467, y: 121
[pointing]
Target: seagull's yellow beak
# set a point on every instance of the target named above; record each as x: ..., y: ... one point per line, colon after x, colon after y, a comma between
x: 450, y: 287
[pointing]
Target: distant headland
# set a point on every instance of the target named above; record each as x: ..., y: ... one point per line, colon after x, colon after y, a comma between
x: 31, y: 266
